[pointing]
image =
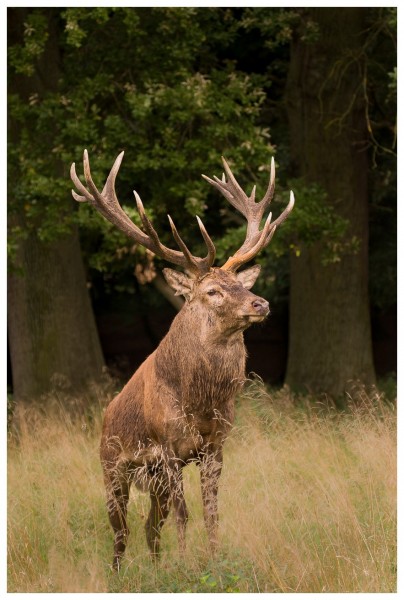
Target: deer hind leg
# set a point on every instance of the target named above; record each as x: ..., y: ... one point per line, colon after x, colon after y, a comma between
x: 117, y: 487
x: 210, y: 470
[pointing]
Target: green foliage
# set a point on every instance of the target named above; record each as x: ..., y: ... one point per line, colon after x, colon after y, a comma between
x: 75, y: 34
x: 276, y: 26
x: 22, y: 57
x: 159, y: 93
x: 16, y: 233
x: 165, y: 84
x: 225, y: 576
x: 314, y: 219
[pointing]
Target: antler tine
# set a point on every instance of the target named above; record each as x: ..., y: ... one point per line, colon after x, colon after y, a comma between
x: 109, y: 187
x: 255, y: 239
x: 222, y: 186
x: 106, y: 203
x: 86, y: 197
x: 192, y: 263
x: 239, y: 258
x: 284, y: 215
x: 269, y: 194
x: 233, y: 185
x: 210, y: 258
x: 151, y: 232
x: 87, y: 175
x: 232, y: 190
x: 252, y: 195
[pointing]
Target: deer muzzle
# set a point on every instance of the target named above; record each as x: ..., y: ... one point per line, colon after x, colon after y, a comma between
x: 261, y: 306
x: 259, y: 309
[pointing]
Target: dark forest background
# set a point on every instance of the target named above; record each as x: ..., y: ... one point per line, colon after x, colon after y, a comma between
x: 176, y: 88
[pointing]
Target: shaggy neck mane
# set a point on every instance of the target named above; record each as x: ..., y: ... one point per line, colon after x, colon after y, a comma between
x: 208, y: 367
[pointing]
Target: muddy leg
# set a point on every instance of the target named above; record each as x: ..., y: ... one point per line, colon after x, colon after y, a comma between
x: 181, y: 512
x: 210, y: 469
x: 159, y: 509
x: 117, y: 504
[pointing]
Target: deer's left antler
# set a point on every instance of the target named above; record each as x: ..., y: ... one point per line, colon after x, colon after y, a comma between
x: 255, y: 239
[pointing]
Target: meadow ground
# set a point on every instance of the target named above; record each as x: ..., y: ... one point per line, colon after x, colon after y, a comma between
x: 307, y: 503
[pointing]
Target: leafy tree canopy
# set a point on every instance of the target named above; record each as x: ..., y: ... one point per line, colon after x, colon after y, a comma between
x: 170, y: 87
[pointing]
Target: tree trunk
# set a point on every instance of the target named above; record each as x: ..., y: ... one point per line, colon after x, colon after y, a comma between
x: 52, y: 332
x: 50, y: 321
x: 330, y: 337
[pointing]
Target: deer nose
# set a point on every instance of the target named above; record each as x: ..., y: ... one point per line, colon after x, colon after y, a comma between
x: 261, y: 306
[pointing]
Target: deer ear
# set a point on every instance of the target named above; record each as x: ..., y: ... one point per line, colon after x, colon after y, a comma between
x: 248, y: 277
x: 180, y: 283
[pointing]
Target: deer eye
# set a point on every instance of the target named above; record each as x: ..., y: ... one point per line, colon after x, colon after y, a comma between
x: 211, y: 292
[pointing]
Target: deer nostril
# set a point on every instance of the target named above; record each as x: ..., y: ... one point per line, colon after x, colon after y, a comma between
x: 260, y: 305
x: 257, y: 303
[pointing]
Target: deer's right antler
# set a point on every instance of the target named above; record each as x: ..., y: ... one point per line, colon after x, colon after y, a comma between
x: 253, y: 211
x: 106, y: 203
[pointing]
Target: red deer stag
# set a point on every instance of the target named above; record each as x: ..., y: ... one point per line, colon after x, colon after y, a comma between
x: 178, y: 407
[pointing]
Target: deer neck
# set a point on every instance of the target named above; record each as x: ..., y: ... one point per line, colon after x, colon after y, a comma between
x: 202, y: 372
x: 207, y: 330
x: 192, y: 345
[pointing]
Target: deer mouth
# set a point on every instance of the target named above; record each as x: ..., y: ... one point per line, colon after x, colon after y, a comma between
x: 261, y: 310
x: 257, y: 318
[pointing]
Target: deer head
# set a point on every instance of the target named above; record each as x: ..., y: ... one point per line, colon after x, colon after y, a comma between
x: 216, y: 288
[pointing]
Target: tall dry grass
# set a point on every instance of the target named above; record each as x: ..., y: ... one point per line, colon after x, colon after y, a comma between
x: 307, y: 504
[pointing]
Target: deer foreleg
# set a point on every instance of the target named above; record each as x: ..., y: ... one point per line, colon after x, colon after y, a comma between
x: 160, y: 506
x: 210, y: 469
x: 166, y: 487
x: 180, y: 507
x: 117, y: 503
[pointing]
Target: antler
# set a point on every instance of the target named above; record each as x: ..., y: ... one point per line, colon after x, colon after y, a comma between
x: 253, y: 211
x: 108, y: 205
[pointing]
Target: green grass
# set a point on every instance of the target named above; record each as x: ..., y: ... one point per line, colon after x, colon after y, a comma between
x: 307, y: 503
